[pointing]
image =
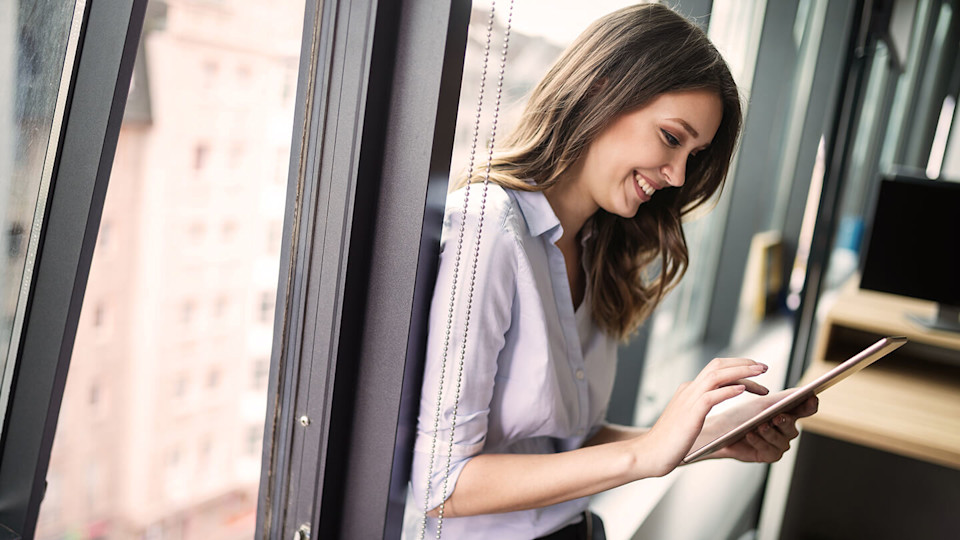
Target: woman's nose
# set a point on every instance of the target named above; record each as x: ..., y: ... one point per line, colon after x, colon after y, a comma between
x: 674, y: 173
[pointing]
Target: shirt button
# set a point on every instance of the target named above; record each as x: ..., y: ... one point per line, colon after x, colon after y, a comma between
x: 580, y: 374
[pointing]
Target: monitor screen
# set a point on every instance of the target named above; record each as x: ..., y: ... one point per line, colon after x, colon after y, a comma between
x: 914, y: 246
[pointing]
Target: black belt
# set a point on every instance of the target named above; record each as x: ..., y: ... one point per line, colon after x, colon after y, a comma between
x: 588, y: 528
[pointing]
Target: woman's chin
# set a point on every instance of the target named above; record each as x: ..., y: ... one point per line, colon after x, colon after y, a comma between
x: 631, y: 211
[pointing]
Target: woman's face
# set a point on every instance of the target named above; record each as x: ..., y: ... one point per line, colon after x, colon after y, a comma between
x: 646, y: 150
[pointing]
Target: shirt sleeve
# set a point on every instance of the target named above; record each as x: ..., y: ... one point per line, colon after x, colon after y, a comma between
x: 447, y: 441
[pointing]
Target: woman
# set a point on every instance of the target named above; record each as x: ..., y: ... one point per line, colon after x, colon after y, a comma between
x: 632, y: 128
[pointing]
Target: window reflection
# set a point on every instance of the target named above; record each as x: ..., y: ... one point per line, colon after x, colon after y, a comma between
x: 185, y: 280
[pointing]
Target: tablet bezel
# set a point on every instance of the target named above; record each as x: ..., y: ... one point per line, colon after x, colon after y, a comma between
x: 852, y: 365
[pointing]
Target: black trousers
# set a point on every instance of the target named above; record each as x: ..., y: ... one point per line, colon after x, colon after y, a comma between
x: 589, y: 528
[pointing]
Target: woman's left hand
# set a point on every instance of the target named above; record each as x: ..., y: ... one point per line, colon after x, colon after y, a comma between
x: 768, y: 442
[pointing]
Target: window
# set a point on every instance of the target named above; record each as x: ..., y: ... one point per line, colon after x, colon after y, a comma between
x: 200, y: 156
x: 103, y: 237
x: 94, y: 395
x: 213, y: 378
x: 228, y: 230
x: 180, y: 386
x: 261, y: 370
x: 200, y: 85
x: 274, y: 235
x: 210, y: 71
x: 99, y: 316
x: 265, y: 312
x: 283, y: 162
x: 254, y: 438
x: 196, y: 231
x: 187, y: 312
x: 220, y: 306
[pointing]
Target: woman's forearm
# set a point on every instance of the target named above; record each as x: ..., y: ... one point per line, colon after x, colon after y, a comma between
x: 493, y: 483
x: 615, y: 432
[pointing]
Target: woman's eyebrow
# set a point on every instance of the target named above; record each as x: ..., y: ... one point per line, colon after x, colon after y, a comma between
x: 686, y: 126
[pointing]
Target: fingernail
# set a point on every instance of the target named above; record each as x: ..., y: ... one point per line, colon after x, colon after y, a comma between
x: 764, y: 428
x: 759, y: 368
x: 781, y: 420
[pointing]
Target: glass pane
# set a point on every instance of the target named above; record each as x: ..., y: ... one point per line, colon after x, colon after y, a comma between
x: 37, y: 38
x: 162, y: 418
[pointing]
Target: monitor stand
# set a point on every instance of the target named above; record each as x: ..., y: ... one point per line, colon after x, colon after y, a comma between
x: 947, y: 319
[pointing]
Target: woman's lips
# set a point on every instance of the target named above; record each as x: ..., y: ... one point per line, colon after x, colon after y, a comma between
x: 644, y: 188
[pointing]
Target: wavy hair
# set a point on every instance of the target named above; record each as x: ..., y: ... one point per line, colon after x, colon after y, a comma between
x: 620, y: 63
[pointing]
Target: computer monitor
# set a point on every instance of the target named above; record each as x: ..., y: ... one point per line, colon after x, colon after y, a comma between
x: 914, y: 245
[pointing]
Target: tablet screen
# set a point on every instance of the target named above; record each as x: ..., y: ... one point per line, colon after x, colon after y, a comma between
x: 861, y: 360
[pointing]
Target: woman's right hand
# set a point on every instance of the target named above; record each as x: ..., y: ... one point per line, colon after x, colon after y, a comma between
x: 662, y: 449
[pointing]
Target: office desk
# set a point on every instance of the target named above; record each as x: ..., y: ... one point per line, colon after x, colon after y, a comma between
x: 881, y: 459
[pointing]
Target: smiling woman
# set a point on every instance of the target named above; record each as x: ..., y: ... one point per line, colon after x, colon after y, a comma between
x: 577, y: 240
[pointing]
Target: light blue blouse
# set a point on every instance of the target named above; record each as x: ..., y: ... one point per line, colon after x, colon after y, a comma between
x: 537, y: 376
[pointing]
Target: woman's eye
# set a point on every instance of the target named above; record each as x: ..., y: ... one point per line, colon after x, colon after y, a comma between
x: 671, y: 140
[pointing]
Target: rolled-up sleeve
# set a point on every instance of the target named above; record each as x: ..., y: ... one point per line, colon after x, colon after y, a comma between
x: 464, y: 405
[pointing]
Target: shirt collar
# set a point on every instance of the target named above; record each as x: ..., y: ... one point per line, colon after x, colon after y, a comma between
x: 538, y: 214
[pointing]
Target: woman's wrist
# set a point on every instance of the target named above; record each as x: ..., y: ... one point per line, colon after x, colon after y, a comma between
x: 646, y: 461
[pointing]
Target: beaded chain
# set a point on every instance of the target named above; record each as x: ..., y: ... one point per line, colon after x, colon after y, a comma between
x: 473, y: 274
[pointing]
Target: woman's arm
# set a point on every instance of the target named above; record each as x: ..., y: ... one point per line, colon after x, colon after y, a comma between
x: 609, y: 433
x: 491, y: 483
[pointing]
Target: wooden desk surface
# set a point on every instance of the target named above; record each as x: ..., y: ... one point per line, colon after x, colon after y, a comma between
x: 915, y: 414
x: 907, y: 407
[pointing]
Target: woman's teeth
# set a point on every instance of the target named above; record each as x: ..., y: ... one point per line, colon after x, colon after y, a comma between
x: 644, y: 186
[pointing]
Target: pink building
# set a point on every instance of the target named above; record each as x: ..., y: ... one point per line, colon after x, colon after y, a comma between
x: 162, y: 419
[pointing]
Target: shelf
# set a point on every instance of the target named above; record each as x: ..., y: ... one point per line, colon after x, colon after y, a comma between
x: 907, y: 403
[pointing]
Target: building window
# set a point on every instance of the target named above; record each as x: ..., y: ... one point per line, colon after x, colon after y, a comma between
x: 173, y: 458
x: 289, y: 81
x: 187, y: 312
x: 253, y: 440
x: 210, y: 70
x: 283, y: 163
x: 243, y: 74
x: 213, y: 378
x: 180, y: 387
x: 237, y: 152
x: 261, y: 371
x: 94, y: 394
x: 196, y: 231
x: 228, y: 230
x: 274, y: 233
x: 220, y: 306
x: 99, y: 316
x: 103, y: 238
x: 200, y: 156
x: 266, y: 307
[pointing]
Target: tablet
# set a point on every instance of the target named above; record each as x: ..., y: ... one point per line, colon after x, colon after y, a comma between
x: 863, y: 359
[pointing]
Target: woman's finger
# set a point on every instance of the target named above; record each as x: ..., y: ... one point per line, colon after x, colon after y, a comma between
x: 753, y: 387
x: 773, y: 436
x: 766, y: 451
x: 719, y: 363
x: 808, y: 408
x: 787, y: 425
x: 729, y: 376
x: 721, y: 394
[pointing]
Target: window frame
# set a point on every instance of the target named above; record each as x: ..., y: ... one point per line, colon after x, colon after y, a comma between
x: 374, y: 128
x: 97, y: 95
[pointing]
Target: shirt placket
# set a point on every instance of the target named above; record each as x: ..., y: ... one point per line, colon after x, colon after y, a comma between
x: 571, y: 334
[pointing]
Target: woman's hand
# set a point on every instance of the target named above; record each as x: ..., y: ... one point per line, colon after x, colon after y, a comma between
x: 670, y: 439
x: 768, y: 442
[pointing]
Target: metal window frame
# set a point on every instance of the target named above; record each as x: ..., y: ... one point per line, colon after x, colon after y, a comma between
x: 88, y: 140
x: 373, y: 136
x: 753, y: 191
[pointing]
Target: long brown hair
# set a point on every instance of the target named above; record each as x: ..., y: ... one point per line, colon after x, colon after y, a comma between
x: 618, y: 64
